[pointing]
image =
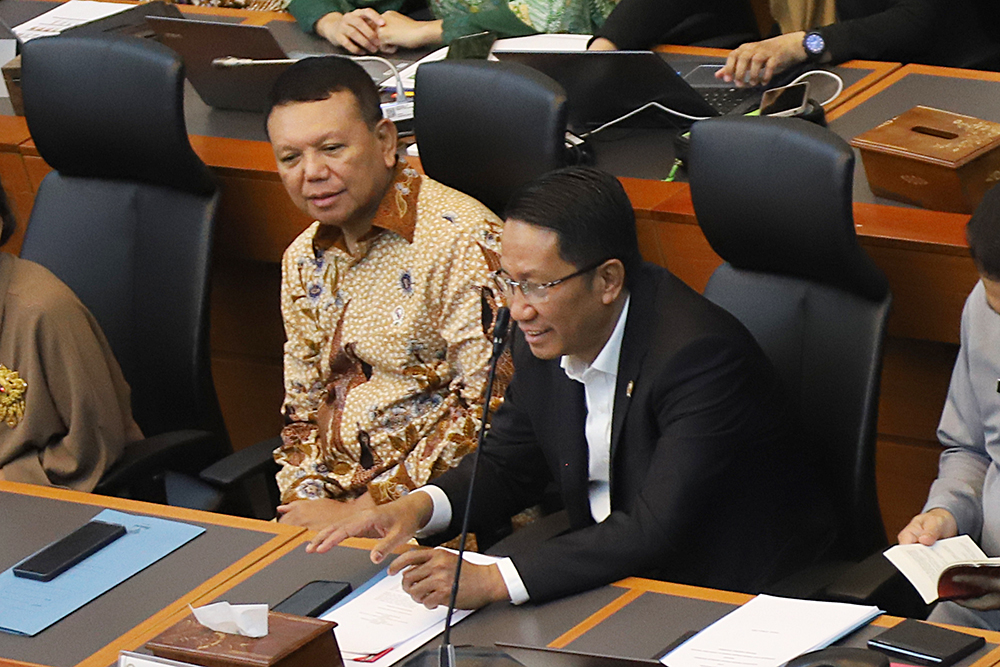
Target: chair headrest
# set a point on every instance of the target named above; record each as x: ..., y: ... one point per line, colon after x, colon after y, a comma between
x: 487, y: 128
x: 775, y: 195
x: 111, y: 108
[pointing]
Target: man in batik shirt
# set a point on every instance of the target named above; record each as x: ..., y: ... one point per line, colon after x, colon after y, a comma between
x: 382, y: 300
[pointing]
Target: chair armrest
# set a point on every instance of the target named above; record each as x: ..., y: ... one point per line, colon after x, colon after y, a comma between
x: 862, y: 581
x: 243, y: 464
x: 144, y: 458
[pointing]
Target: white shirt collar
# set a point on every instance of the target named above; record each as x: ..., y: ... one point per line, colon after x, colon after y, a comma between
x: 607, y: 360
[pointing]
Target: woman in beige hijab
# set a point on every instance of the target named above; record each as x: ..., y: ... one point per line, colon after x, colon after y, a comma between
x: 941, y: 32
x: 65, y: 413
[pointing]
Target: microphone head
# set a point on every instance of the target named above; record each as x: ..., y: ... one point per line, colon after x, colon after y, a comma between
x: 501, y: 326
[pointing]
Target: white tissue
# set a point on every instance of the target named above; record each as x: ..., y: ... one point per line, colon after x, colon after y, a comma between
x: 249, y: 620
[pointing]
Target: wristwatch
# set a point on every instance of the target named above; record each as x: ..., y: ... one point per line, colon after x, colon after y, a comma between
x: 814, y: 45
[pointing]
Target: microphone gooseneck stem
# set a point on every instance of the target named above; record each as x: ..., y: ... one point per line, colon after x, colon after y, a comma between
x: 447, y: 655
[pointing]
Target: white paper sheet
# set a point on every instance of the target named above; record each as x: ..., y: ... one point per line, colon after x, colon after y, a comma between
x: 923, y: 565
x: 67, y: 15
x: 768, y: 632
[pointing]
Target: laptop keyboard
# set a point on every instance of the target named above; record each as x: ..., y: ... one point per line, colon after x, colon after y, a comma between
x: 726, y: 100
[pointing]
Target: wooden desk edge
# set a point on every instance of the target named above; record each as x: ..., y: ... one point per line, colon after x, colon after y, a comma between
x: 150, y: 627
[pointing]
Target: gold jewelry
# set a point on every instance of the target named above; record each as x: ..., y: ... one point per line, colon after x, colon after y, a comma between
x: 12, y: 389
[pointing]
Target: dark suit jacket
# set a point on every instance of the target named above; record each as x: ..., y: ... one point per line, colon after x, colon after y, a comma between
x: 704, y: 486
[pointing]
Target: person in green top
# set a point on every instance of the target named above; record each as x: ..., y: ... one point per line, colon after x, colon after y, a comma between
x: 372, y: 26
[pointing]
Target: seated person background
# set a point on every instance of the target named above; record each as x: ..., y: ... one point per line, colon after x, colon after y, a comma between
x: 927, y: 31
x: 65, y: 413
x: 653, y: 410
x: 385, y: 25
x: 382, y: 300
x: 380, y: 25
x: 965, y: 497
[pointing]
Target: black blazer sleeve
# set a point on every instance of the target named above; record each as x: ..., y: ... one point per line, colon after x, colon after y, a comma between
x: 642, y: 24
x: 883, y: 30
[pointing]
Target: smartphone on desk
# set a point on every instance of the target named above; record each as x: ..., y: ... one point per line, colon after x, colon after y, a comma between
x: 785, y: 101
x: 63, y: 554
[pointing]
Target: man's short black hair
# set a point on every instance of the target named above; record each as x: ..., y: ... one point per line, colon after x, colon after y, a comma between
x: 316, y: 79
x: 983, y: 234
x: 7, y: 221
x: 589, y: 211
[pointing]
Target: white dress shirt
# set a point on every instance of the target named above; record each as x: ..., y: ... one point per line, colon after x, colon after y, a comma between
x: 598, y: 379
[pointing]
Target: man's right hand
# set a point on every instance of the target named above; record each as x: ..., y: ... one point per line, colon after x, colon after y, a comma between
x: 929, y: 527
x: 356, y: 31
x: 392, y: 524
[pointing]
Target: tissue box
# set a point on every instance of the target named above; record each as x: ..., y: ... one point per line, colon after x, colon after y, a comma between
x: 291, y: 641
x: 932, y: 158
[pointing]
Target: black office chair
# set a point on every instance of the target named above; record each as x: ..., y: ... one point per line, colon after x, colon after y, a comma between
x: 774, y: 199
x: 126, y: 220
x: 487, y: 128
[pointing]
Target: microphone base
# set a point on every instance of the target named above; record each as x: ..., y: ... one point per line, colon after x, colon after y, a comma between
x: 460, y: 656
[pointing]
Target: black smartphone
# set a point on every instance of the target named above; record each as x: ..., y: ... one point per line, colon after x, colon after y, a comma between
x: 314, y: 598
x: 471, y: 47
x: 59, y: 556
x: 925, y: 644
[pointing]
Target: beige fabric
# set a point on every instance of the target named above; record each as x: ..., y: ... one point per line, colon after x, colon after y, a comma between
x: 77, y: 416
x: 406, y: 310
x: 795, y: 15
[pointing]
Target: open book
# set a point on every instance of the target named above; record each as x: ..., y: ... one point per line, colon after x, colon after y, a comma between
x: 933, y: 570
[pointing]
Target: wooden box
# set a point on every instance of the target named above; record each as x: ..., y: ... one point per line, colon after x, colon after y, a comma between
x: 291, y: 641
x: 932, y: 158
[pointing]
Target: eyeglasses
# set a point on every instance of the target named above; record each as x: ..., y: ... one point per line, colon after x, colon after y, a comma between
x: 534, y: 293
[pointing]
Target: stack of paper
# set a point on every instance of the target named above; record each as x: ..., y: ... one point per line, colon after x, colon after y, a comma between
x: 382, y: 625
x: 768, y: 632
x: 67, y: 15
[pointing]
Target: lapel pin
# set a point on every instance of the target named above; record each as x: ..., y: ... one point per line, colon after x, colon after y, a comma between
x: 628, y: 388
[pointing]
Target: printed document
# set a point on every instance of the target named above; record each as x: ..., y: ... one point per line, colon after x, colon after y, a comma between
x: 768, y: 632
x: 67, y: 15
x: 382, y: 624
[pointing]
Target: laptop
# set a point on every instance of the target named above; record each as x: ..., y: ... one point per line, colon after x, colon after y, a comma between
x: 199, y: 43
x: 604, y: 85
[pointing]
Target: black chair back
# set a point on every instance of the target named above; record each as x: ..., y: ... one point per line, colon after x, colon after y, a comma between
x: 774, y: 199
x: 487, y: 128
x: 126, y: 218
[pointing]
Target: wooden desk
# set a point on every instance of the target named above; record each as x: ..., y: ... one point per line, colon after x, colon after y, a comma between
x: 134, y: 611
x: 634, y: 617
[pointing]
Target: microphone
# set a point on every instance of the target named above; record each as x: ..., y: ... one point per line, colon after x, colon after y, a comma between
x: 401, y: 109
x: 446, y: 652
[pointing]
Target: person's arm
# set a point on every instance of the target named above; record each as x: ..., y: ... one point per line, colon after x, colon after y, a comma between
x: 401, y: 31
x: 355, y: 28
x: 958, y: 488
x: 903, y: 29
x: 80, y: 391
x: 301, y: 456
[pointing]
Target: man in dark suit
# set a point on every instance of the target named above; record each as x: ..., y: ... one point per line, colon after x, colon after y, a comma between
x: 654, y: 412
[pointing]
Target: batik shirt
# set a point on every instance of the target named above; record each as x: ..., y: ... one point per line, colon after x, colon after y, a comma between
x: 386, y: 356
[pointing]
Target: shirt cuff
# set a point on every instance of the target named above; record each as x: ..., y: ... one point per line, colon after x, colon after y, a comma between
x: 441, y: 514
x: 516, y: 591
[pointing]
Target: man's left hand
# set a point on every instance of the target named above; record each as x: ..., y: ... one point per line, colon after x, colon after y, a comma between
x: 319, y: 513
x: 429, y: 573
